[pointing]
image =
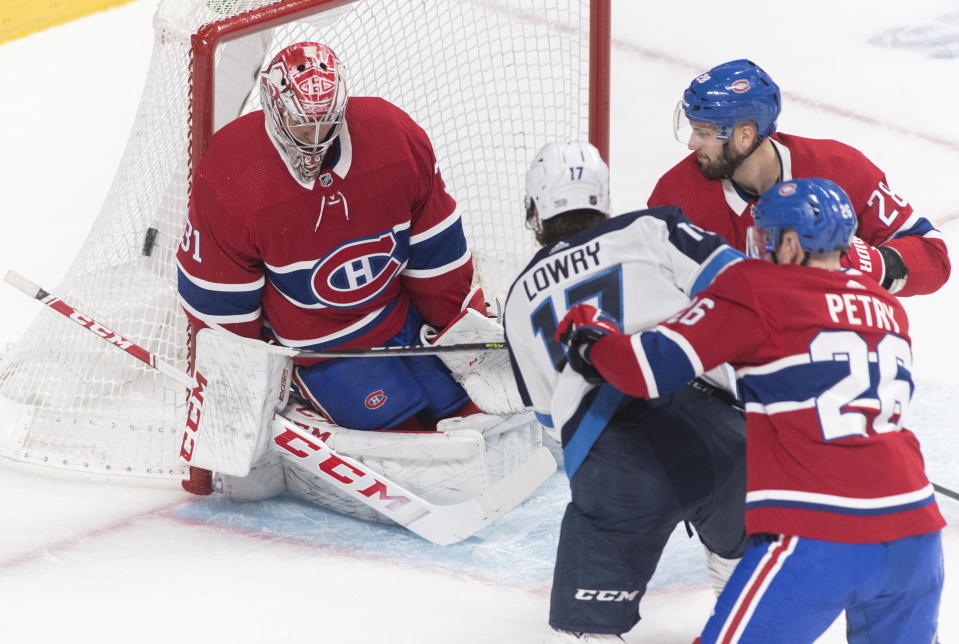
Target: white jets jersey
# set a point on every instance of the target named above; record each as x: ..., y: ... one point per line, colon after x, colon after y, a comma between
x: 640, y: 268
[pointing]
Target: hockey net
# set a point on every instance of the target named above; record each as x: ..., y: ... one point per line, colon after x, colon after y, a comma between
x: 490, y: 81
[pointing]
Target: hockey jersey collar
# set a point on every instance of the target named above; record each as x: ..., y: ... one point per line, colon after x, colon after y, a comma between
x: 735, y: 200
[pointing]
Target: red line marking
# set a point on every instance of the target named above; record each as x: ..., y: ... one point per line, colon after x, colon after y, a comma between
x: 694, y: 68
x: 163, y: 512
x: 78, y: 539
x: 541, y: 591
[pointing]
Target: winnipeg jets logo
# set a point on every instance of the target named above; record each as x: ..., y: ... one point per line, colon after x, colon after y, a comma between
x: 357, y: 272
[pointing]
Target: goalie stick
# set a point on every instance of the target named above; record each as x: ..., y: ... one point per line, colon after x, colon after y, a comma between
x: 21, y: 283
x: 373, y: 352
x: 440, y: 524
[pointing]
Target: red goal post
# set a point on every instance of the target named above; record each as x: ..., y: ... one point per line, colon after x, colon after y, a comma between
x: 491, y: 81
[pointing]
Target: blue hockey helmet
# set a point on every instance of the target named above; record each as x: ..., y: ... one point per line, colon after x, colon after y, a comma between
x: 817, y: 209
x: 731, y: 93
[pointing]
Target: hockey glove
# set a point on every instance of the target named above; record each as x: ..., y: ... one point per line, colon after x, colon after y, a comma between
x: 475, y: 300
x: 579, y: 330
x: 882, y: 264
x: 896, y: 271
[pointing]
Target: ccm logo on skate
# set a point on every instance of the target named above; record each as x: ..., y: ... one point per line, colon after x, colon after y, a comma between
x: 193, y: 410
x: 344, y: 474
x: 375, y: 399
x: 606, y: 595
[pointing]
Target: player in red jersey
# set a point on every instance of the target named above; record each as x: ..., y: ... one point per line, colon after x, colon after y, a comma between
x: 839, y: 509
x: 321, y: 222
x: 727, y: 117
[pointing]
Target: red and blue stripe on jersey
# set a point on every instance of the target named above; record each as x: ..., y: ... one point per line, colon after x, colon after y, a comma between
x: 334, y: 264
x: 823, y: 364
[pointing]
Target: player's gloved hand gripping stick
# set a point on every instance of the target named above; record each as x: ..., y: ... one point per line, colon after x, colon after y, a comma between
x: 579, y: 330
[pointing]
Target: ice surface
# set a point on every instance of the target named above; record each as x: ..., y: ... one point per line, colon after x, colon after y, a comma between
x: 83, y: 562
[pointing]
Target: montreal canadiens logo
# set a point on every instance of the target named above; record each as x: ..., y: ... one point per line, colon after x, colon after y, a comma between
x: 740, y: 86
x: 357, y: 272
x: 316, y: 85
x: 787, y: 189
x: 375, y: 399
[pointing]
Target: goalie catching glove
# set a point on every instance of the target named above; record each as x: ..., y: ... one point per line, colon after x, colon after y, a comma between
x: 579, y: 330
x: 486, y: 375
x: 882, y: 263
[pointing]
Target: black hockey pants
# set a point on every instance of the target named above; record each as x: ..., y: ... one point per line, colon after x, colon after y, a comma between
x: 658, y: 463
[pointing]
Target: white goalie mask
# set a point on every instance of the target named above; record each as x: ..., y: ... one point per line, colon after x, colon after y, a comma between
x: 303, y: 93
x: 565, y: 177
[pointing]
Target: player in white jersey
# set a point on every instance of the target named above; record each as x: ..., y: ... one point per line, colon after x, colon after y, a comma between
x: 636, y: 468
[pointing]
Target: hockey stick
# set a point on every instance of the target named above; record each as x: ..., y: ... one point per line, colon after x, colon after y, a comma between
x: 373, y: 352
x: 23, y: 284
x: 440, y: 524
x: 946, y: 492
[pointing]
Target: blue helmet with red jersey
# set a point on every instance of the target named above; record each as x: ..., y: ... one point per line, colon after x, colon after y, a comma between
x: 731, y: 93
x: 817, y: 209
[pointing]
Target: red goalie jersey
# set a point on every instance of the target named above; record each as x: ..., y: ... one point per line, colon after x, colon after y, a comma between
x: 823, y: 361
x: 884, y: 217
x: 338, y: 262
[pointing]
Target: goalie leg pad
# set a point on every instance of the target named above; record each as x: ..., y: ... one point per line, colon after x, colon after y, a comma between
x: 264, y: 481
x: 230, y: 411
x: 439, y: 467
x: 460, y: 461
x: 510, y: 440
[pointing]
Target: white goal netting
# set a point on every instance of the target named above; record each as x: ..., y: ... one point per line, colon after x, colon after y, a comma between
x: 491, y: 81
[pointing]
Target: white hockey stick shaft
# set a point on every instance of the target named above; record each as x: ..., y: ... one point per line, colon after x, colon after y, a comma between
x: 33, y: 290
x: 440, y: 524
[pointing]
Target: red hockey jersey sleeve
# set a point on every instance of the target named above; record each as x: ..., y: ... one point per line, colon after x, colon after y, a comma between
x: 885, y: 218
x: 220, y: 277
x: 721, y: 325
x: 440, y: 268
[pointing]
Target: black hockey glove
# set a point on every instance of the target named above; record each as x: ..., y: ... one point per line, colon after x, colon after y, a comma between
x: 896, y: 271
x: 579, y: 330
